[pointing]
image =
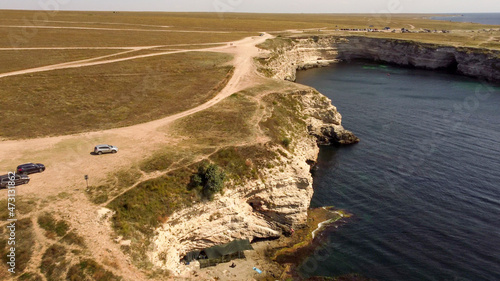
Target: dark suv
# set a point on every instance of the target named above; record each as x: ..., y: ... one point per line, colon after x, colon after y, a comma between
x: 18, y: 180
x: 30, y: 168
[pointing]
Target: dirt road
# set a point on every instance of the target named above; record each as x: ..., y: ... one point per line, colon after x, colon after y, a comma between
x: 68, y: 159
x: 100, y: 60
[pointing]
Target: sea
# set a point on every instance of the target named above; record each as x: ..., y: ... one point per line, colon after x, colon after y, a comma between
x: 483, y: 18
x: 423, y: 185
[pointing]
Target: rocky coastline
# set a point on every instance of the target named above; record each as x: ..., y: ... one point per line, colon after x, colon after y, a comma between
x: 314, y: 51
x: 258, y: 209
x: 263, y: 209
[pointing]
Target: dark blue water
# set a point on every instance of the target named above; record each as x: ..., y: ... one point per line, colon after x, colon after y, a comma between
x: 423, y: 183
x: 484, y: 18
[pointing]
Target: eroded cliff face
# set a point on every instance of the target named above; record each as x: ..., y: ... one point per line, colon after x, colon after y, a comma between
x: 262, y: 208
x: 479, y: 63
x: 305, y: 53
x: 300, y: 54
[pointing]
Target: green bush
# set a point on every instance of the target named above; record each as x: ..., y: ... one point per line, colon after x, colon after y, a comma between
x: 210, y: 179
x: 286, y: 142
x: 48, y: 222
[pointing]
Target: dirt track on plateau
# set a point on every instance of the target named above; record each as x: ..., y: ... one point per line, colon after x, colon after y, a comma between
x: 68, y: 158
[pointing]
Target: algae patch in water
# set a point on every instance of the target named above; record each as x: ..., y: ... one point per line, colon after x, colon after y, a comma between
x: 304, y: 241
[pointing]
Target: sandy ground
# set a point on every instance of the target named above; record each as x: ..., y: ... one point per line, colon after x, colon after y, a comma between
x: 68, y: 159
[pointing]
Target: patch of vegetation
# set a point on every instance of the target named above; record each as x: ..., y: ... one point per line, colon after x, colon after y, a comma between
x: 52, y: 226
x: 74, y: 239
x: 209, y: 180
x: 286, y: 119
x: 30, y: 276
x: 99, y: 194
x: 223, y: 124
x: 90, y: 270
x: 159, y: 273
x: 24, y: 206
x: 143, y: 208
x: 286, y: 142
x: 232, y: 160
x: 276, y: 43
x: 24, y: 244
x: 54, y: 263
x: 159, y: 162
x: 115, y: 184
x: 265, y: 71
x: 174, y: 157
x: 243, y: 163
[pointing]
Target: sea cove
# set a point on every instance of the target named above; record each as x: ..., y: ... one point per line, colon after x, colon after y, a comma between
x: 423, y: 182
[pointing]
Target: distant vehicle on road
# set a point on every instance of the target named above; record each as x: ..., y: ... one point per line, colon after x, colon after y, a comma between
x: 18, y: 180
x: 105, y: 148
x: 30, y: 168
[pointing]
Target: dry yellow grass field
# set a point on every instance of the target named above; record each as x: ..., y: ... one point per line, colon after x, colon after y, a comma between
x: 104, y: 96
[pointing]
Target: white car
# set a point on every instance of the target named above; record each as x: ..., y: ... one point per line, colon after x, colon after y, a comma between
x: 105, y: 148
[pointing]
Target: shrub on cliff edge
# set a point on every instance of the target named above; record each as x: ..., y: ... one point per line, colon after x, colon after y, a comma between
x: 209, y: 179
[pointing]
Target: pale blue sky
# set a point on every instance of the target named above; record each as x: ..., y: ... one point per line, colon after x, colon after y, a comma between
x: 264, y: 6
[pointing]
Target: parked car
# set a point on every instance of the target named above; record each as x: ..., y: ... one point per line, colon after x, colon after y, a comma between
x: 18, y: 180
x: 105, y: 148
x: 30, y: 168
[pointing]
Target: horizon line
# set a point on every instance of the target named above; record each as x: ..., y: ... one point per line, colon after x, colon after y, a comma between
x: 215, y: 12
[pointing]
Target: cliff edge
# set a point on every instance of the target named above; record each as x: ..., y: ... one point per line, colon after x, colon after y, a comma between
x: 267, y: 206
x: 283, y: 61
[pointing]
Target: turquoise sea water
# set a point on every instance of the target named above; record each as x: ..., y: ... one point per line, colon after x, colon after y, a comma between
x: 423, y: 183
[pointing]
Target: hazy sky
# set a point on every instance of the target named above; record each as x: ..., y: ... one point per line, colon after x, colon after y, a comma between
x: 264, y: 6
